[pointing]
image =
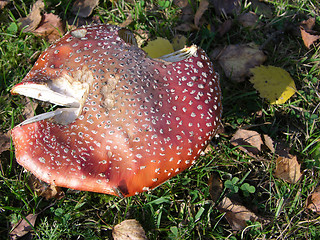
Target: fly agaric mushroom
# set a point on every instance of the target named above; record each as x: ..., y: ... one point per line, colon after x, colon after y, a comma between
x: 129, y: 122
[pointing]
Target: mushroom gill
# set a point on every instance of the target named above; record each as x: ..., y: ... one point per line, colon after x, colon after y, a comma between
x: 129, y: 122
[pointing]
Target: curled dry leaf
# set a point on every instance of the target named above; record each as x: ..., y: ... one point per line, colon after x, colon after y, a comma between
x: 31, y: 22
x: 203, y: 6
x: 288, y: 169
x: 248, y: 141
x: 84, y: 8
x: 313, y: 201
x: 129, y: 229
x: 23, y: 226
x: 215, y: 187
x: 236, y: 60
x: 269, y: 142
x: 45, y: 190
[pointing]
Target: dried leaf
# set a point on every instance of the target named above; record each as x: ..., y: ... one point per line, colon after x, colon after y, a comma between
x: 203, y: 6
x: 215, y: 187
x: 313, y: 201
x: 308, y: 24
x: 84, y: 8
x: 179, y: 42
x: 23, y: 226
x: 236, y: 60
x: 4, y: 142
x: 288, y: 169
x: 141, y: 36
x: 274, y: 83
x: 308, y: 38
x: 158, y: 47
x: 51, y: 27
x: 269, y: 142
x: 225, y: 27
x: 226, y: 7
x: 236, y: 214
x: 128, y: 229
x: 248, y: 141
x: 249, y: 19
x: 261, y: 8
x: 29, y: 108
x: 187, y: 15
x: 31, y: 22
x: 45, y: 190
x: 3, y: 3
x: 282, y: 150
x: 127, y: 22
x: 186, y: 27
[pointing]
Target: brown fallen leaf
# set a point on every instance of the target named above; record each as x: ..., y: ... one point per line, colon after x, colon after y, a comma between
x: 129, y: 229
x: 4, y: 142
x: 281, y: 149
x: 248, y: 141
x: 236, y: 214
x: 225, y: 27
x: 313, y: 201
x: 29, y: 108
x: 226, y: 7
x: 236, y: 60
x: 261, y: 8
x: 186, y: 27
x: 308, y: 37
x: 187, y: 15
x: 269, y: 143
x: 308, y: 24
x: 127, y: 22
x: 3, y: 3
x: 203, y: 6
x: 51, y: 27
x: 288, y: 169
x: 31, y: 22
x: 249, y: 19
x: 84, y: 8
x: 215, y: 187
x: 45, y: 190
x: 23, y: 227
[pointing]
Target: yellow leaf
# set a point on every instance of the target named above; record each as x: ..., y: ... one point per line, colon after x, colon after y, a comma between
x: 158, y: 47
x: 274, y: 83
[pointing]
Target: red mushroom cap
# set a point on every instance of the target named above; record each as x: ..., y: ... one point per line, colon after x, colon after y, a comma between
x: 129, y: 123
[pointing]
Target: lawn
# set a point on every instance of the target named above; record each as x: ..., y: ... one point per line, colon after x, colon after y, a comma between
x: 263, y: 188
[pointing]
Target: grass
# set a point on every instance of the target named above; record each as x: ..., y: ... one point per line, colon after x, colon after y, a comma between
x: 182, y: 207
